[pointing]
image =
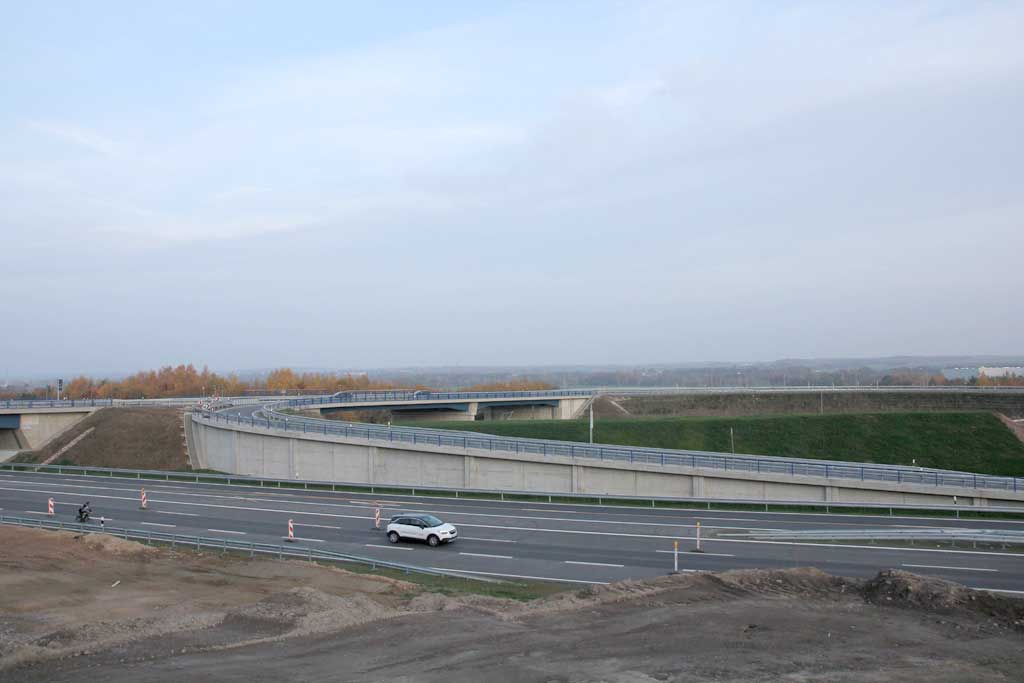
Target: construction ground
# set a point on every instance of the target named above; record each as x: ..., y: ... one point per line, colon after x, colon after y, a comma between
x: 76, y: 607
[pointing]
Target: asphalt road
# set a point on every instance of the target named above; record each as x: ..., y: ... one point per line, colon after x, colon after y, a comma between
x: 555, y: 542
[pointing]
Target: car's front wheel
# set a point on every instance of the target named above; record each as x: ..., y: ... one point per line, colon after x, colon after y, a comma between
x: 394, y: 537
x: 433, y: 540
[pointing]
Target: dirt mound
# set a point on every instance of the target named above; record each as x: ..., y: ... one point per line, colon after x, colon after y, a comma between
x: 304, y: 611
x: 114, y: 545
x: 803, y: 582
x: 902, y: 589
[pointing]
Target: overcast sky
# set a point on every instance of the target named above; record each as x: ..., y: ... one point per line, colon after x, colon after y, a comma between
x: 325, y: 184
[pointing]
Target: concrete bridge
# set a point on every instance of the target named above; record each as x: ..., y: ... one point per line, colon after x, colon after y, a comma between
x: 454, y: 405
x: 29, y: 428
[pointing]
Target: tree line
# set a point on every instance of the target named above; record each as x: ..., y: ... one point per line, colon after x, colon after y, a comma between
x: 187, y: 381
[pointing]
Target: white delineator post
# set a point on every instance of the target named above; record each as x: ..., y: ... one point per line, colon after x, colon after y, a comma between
x: 142, y: 499
x: 49, y: 507
x: 291, y: 532
x: 376, y: 518
x: 699, y: 550
x: 675, y: 556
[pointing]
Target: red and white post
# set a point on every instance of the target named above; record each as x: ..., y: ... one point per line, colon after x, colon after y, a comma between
x: 49, y: 507
x: 376, y: 518
x: 142, y: 499
x: 291, y: 532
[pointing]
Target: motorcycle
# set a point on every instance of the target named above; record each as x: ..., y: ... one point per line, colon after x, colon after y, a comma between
x: 83, y: 516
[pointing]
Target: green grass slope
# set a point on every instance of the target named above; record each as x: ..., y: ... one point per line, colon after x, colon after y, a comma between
x: 972, y: 442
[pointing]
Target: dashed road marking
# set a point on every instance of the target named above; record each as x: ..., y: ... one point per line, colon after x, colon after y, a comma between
x: 392, y: 547
x: 226, y: 531
x: 169, y: 526
x: 594, y: 564
x: 493, y: 557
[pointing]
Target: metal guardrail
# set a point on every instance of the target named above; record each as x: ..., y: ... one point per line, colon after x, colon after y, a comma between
x: 1002, y: 536
x: 386, y: 396
x: 130, y: 403
x: 212, y: 478
x: 810, y: 388
x: 225, y: 544
x: 792, y: 467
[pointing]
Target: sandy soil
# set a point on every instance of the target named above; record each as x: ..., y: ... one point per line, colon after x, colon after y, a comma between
x: 209, y: 617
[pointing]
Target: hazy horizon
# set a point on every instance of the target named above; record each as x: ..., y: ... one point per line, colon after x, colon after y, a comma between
x: 342, y: 186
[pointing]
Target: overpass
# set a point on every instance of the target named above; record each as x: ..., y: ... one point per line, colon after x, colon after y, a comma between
x: 263, y: 441
x: 454, y: 405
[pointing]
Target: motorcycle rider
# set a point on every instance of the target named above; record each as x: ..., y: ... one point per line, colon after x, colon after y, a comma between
x: 84, y: 512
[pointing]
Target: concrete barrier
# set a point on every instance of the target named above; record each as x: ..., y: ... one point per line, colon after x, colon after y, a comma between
x: 270, y: 452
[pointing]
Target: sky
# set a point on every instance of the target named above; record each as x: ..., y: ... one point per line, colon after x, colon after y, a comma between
x: 349, y: 185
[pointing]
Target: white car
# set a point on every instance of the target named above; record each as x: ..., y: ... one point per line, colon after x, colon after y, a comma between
x: 420, y: 527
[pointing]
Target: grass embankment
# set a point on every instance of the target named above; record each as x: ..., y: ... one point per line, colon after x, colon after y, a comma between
x: 971, y: 442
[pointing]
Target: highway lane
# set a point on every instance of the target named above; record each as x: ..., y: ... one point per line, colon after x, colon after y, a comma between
x: 558, y: 542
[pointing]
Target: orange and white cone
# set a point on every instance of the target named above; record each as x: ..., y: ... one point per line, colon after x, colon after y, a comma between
x: 142, y: 504
x: 49, y: 507
x: 291, y: 532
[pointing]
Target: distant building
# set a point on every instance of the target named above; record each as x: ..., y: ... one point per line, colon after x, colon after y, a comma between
x: 1001, y: 372
x: 960, y: 373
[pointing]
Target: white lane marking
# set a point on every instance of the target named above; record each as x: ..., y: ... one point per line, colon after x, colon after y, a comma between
x: 996, y: 590
x: 319, y: 526
x: 400, y: 498
x: 518, y: 576
x: 183, y: 514
x: 493, y: 557
x: 567, y: 512
x: 488, y: 540
x: 690, y: 553
x: 36, y: 512
x: 562, y: 531
x: 448, y: 512
x: 594, y: 564
x: 392, y: 547
x: 169, y: 526
x: 314, y: 540
x: 939, y: 566
x: 227, y: 531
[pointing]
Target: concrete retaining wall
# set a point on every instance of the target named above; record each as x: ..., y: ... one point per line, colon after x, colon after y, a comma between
x: 275, y: 453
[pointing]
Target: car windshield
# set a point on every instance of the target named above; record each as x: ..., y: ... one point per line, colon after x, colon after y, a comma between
x: 431, y: 520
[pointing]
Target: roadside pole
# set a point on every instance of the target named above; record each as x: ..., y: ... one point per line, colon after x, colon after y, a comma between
x: 699, y: 549
x: 591, y: 422
x: 675, y: 557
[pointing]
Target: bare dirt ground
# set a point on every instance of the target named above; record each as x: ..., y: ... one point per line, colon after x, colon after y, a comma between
x: 139, y: 438
x: 101, y: 608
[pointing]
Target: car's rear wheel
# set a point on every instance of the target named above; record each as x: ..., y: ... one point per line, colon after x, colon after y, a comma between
x: 394, y: 537
x: 433, y: 540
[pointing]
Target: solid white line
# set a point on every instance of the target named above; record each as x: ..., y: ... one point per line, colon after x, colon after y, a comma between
x: 392, y: 547
x: 183, y: 514
x: 227, y: 531
x: 495, y: 557
x: 689, y: 553
x: 938, y: 566
x: 517, y: 576
x: 594, y: 564
x: 314, y: 540
x: 996, y: 590
x: 488, y: 540
x: 560, y: 531
x: 169, y: 526
x: 36, y: 512
x: 400, y: 498
x: 320, y: 526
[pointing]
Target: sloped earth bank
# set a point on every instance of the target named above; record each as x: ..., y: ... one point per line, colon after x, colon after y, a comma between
x: 178, y: 616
